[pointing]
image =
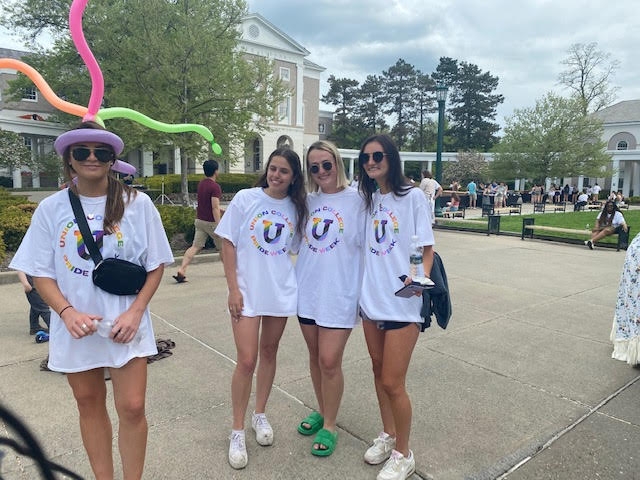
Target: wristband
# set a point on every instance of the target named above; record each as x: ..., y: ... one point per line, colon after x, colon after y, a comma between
x: 68, y: 306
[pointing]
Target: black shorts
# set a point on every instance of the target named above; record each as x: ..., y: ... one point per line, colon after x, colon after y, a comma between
x: 311, y: 321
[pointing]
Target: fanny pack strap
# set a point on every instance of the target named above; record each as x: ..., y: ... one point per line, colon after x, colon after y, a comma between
x: 81, y: 220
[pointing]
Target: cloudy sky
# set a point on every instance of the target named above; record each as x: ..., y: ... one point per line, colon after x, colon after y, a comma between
x: 522, y: 42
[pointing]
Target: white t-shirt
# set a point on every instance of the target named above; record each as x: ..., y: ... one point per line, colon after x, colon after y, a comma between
x: 388, y: 233
x: 618, y: 219
x: 262, y: 230
x: 429, y: 187
x: 596, y: 189
x: 329, y: 265
x: 53, y: 248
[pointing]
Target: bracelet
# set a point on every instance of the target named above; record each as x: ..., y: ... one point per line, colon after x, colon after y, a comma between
x: 68, y: 306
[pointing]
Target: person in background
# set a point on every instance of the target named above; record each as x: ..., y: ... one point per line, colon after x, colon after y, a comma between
x: 454, y: 204
x: 582, y: 201
x: 432, y: 190
x: 501, y: 195
x: 126, y: 226
x: 625, y: 332
x: 329, y: 274
x: 609, y: 221
x: 595, y: 192
x: 208, y: 215
x: 395, y: 213
x: 37, y: 306
x: 258, y: 230
x: 472, y: 189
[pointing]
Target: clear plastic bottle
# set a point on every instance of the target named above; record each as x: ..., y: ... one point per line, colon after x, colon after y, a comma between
x: 415, y: 261
x: 104, y: 329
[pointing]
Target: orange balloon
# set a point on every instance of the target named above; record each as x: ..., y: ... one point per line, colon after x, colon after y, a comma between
x: 44, y: 87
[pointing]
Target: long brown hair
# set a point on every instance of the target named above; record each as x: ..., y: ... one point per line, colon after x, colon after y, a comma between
x: 114, y: 210
x: 296, y: 189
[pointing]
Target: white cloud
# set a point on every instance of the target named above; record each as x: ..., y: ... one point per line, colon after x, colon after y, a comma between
x: 522, y: 42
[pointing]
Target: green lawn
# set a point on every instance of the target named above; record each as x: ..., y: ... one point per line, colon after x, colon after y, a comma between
x: 573, y: 220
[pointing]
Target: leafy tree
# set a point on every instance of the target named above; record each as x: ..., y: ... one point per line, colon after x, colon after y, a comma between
x: 13, y: 151
x: 588, y: 76
x: 176, y: 61
x: 400, y: 82
x: 469, y: 166
x: 423, y: 104
x: 552, y: 139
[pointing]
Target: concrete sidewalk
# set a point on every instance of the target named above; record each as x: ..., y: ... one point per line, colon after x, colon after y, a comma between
x: 522, y: 381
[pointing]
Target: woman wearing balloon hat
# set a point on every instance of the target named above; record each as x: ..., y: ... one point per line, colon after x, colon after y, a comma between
x: 92, y: 329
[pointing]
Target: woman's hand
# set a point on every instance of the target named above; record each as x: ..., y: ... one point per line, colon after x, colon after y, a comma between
x: 236, y: 304
x: 126, y: 326
x: 79, y: 324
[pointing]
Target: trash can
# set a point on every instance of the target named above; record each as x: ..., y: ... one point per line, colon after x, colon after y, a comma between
x: 494, y: 225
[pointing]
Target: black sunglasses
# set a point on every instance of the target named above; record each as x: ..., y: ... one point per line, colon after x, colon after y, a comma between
x: 103, y: 155
x: 377, y: 157
x: 326, y: 165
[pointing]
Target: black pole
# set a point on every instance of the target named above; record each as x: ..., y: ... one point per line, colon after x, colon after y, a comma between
x: 438, y: 210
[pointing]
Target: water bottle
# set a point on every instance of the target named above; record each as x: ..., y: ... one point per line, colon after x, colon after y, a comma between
x: 415, y: 261
x: 105, y: 326
x: 587, y: 228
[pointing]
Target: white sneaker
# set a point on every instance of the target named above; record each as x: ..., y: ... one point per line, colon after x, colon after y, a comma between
x: 398, y: 467
x: 238, y: 457
x: 380, y: 450
x: 260, y: 425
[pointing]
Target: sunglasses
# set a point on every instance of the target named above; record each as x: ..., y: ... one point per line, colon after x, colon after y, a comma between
x: 377, y: 157
x: 327, y: 166
x: 103, y: 155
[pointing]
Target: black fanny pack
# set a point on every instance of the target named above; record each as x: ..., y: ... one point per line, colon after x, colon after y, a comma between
x: 112, y: 275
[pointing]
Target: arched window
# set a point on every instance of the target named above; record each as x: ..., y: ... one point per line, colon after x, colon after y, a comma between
x: 622, y: 145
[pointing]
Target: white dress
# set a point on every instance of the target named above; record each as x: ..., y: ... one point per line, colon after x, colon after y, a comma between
x: 53, y: 248
x: 329, y: 265
x: 625, y: 333
x: 389, y: 229
x: 262, y: 230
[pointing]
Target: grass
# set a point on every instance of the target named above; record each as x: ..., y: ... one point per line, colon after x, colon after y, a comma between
x: 572, y: 220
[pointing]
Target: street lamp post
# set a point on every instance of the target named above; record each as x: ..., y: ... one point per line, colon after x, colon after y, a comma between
x: 441, y: 96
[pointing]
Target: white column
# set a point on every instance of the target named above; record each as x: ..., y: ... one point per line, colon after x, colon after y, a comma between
x: 616, y: 174
x: 17, y: 178
x: 627, y: 179
x: 299, y: 94
x: 580, y: 183
x: 177, y: 164
x: 636, y: 178
x: 147, y: 164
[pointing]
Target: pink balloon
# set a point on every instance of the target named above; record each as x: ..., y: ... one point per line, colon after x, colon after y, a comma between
x: 97, y: 80
x: 123, y: 167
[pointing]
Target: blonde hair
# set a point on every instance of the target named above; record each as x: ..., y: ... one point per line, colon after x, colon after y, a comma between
x: 328, y: 147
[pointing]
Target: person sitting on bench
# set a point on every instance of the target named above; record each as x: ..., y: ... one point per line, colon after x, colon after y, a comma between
x: 582, y: 201
x: 610, y: 220
x: 454, y: 204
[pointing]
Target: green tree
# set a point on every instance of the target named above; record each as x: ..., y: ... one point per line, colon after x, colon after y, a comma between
x: 370, y: 106
x: 552, y: 139
x: 400, y: 82
x: 469, y: 166
x: 13, y: 151
x: 344, y: 94
x: 588, y: 76
x: 176, y: 61
x: 423, y: 105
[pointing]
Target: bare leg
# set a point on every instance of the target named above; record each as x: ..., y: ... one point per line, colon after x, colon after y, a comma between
x: 187, y: 258
x: 245, y: 334
x: 129, y: 389
x: 331, y: 348
x: 310, y: 334
x: 272, y: 329
x: 90, y: 393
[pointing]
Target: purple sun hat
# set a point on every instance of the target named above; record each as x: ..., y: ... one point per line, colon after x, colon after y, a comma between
x: 82, y: 135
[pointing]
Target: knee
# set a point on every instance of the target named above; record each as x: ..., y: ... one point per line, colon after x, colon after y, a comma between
x: 88, y: 400
x: 329, y: 365
x: 246, y: 366
x: 131, y: 409
x: 268, y: 352
x: 393, y: 387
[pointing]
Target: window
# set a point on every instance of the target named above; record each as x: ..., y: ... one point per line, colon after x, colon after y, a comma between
x: 285, y: 74
x: 622, y: 145
x: 30, y: 94
x: 321, y: 128
x: 27, y: 143
x: 284, y: 110
x: 256, y: 155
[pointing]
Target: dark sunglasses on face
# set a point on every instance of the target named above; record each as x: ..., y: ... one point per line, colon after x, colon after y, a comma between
x: 103, y: 155
x: 327, y: 166
x: 377, y: 157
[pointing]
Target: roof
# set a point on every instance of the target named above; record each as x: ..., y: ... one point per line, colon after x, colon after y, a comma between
x: 622, y: 112
x: 9, y: 53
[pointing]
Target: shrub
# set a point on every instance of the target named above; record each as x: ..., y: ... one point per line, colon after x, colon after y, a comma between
x: 177, y: 219
x: 229, y: 182
x: 3, y: 249
x: 14, y: 222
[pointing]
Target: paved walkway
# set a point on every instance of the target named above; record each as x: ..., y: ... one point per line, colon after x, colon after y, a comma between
x: 521, y: 380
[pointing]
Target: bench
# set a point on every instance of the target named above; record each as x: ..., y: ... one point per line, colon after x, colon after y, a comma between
x: 560, y: 207
x: 539, y: 207
x: 490, y: 224
x: 513, y: 209
x: 487, y: 210
x: 623, y: 206
x: 458, y: 213
x: 593, y: 206
x: 529, y: 226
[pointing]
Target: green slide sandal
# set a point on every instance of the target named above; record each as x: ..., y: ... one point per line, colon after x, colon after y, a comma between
x: 325, y: 439
x: 315, y: 422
